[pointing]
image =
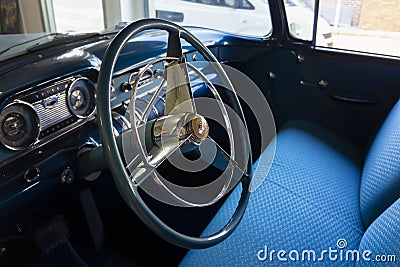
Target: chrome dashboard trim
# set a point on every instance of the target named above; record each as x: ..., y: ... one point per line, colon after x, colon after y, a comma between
x: 26, y: 91
x: 41, y: 141
x: 45, y: 114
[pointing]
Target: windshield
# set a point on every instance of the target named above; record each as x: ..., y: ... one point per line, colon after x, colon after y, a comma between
x: 12, y: 41
x: 26, y: 23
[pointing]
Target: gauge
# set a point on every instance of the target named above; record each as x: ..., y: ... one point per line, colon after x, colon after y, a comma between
x: 19, y: 125
x: 81, y: 98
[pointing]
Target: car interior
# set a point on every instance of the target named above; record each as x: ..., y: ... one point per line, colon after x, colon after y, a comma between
x: 152, y: 143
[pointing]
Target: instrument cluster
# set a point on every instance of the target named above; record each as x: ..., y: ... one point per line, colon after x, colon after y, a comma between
x: 42, y: 114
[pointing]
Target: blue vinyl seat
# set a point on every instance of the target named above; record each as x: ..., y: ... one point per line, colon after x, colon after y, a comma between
x: 321, y: 195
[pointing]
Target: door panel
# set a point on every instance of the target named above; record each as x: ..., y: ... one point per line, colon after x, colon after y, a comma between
x: 347, y: 92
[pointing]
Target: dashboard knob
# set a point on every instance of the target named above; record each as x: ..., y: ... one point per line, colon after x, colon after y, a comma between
x: 31, y: 174
x: 67, y: 175
x: 126, y: 87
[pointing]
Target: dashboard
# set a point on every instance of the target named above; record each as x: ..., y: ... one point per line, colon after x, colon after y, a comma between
x: 41, y: 114
x: 48, y: 111
x: 44, y: 112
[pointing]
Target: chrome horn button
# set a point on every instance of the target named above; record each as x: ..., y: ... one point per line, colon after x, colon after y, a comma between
x: 178, y: 128
x: 199, y: 128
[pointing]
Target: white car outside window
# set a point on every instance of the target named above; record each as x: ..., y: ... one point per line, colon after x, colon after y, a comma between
x: 234, y: 16
x: 244, y: 17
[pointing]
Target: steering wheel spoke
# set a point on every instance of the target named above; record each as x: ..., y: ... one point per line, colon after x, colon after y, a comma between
x: 156, y: 96
x: 179, y: 98
x: 223, y: 161
x: 157, y: 155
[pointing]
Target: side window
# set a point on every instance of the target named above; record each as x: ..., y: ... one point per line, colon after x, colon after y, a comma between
x: 363, y: 25
x: 205, y: 2
x: 210, y: 2
x: 358, y: 25
x: 246, y: 5
x: 221, y: 3
x: 230, y: 3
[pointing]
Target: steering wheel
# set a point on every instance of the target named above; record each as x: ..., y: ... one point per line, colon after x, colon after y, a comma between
x: 180, y: 123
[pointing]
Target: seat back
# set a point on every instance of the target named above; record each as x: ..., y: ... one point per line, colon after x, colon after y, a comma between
x: 382, y: 238
x: 380, y: 182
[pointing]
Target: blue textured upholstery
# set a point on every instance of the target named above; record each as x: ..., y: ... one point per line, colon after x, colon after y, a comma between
x: 380, y: 184
x: 385, y: 227
x: 310, y: 201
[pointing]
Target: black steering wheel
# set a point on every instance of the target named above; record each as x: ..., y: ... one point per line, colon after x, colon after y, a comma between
x: 181, y: 123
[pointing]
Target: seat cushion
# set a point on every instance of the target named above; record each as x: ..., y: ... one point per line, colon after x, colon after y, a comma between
x: 380, y: 184
x: 308, y: 201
